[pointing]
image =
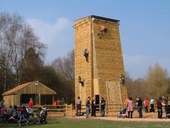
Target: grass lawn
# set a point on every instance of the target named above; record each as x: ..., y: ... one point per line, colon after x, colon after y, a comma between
x: 90, y: 123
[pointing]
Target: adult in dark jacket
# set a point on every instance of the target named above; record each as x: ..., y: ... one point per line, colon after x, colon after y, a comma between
x: 139, y: 104
x: 93, y: 107
x: 159, y: 107
x: 102, y: 107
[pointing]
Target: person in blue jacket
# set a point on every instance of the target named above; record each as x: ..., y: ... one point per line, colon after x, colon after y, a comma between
x: 86, y: 54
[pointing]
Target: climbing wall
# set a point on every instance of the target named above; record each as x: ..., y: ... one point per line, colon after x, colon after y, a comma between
x: 108, y: 60
x: 113, y: 92
x: 105, y: 59
x: 82, y: 35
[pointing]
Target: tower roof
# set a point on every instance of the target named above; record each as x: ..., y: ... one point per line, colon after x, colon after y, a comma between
x: 100, y: 18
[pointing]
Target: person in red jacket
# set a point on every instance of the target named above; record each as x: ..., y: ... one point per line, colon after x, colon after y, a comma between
x: 58, y: 103
x: 146, y: 104
x: 31, y: 103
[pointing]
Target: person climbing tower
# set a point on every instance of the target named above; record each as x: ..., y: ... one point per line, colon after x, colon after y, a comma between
x: 122, y: 79
x: 86, y: 54
x: 103, y: 29
x: 80, y: 81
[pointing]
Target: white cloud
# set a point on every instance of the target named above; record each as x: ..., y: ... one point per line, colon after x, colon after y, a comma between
x: 56, y: 35
x: 137, y: 65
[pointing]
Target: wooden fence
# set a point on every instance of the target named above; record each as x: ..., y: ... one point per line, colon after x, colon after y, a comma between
x: 58, y: 110
x: 70, y: 110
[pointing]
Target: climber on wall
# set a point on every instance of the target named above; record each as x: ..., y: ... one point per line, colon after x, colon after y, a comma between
x: 80, y: 81
x: 122, y: 79
x: 86, y: 54
x: 103, y: 29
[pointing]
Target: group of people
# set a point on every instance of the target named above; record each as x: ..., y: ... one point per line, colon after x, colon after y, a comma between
x: 59, y: 102
x: 90, y: 106
x: 146, y: 104
x: 162, y: 101
x: 12, y: 113
x: 140, y: 103
x: 22, y: 114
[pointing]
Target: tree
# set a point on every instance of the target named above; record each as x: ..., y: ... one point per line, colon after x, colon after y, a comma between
x: 156, y: 81
x: 9, y: 29
x: 49, y: 77
x: 16, y: 37
x: 135, y: 87
x: 129, y: 84
x: 65, y: 72
x: 31, y: 66
x: 139, y: 88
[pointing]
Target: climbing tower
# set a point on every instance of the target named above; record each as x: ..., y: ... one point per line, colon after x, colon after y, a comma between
x: 100, y: 74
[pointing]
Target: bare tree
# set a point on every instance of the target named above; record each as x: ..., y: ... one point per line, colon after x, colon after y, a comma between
x: 9, y: 26
x: 129, y: 84
x: 16, y: 37
x: 135, y: 87
x: 139, y: 88
x: 65, y: 71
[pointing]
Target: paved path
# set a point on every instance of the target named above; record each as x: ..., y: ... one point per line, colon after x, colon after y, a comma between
x: 148, y: 117
x: 126, y: 119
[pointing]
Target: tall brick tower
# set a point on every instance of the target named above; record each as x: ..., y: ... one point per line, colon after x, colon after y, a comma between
x: 100, y: 74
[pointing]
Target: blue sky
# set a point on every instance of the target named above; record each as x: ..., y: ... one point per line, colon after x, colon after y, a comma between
x: 144, y: 27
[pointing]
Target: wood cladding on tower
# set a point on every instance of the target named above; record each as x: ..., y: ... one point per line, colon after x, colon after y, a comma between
x: 100, y: 73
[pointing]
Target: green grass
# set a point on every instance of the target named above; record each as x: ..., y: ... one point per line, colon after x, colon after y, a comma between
x: 90, y: 123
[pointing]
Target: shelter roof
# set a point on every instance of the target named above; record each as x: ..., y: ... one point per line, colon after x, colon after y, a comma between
x: 20, y: 87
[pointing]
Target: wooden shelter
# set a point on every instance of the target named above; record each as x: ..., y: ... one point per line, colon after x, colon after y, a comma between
x: 21, y: 94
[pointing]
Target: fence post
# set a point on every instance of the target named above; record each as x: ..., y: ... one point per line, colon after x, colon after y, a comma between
x: 71, y: 110
x: 66, y: 110
x: 107, y: 108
